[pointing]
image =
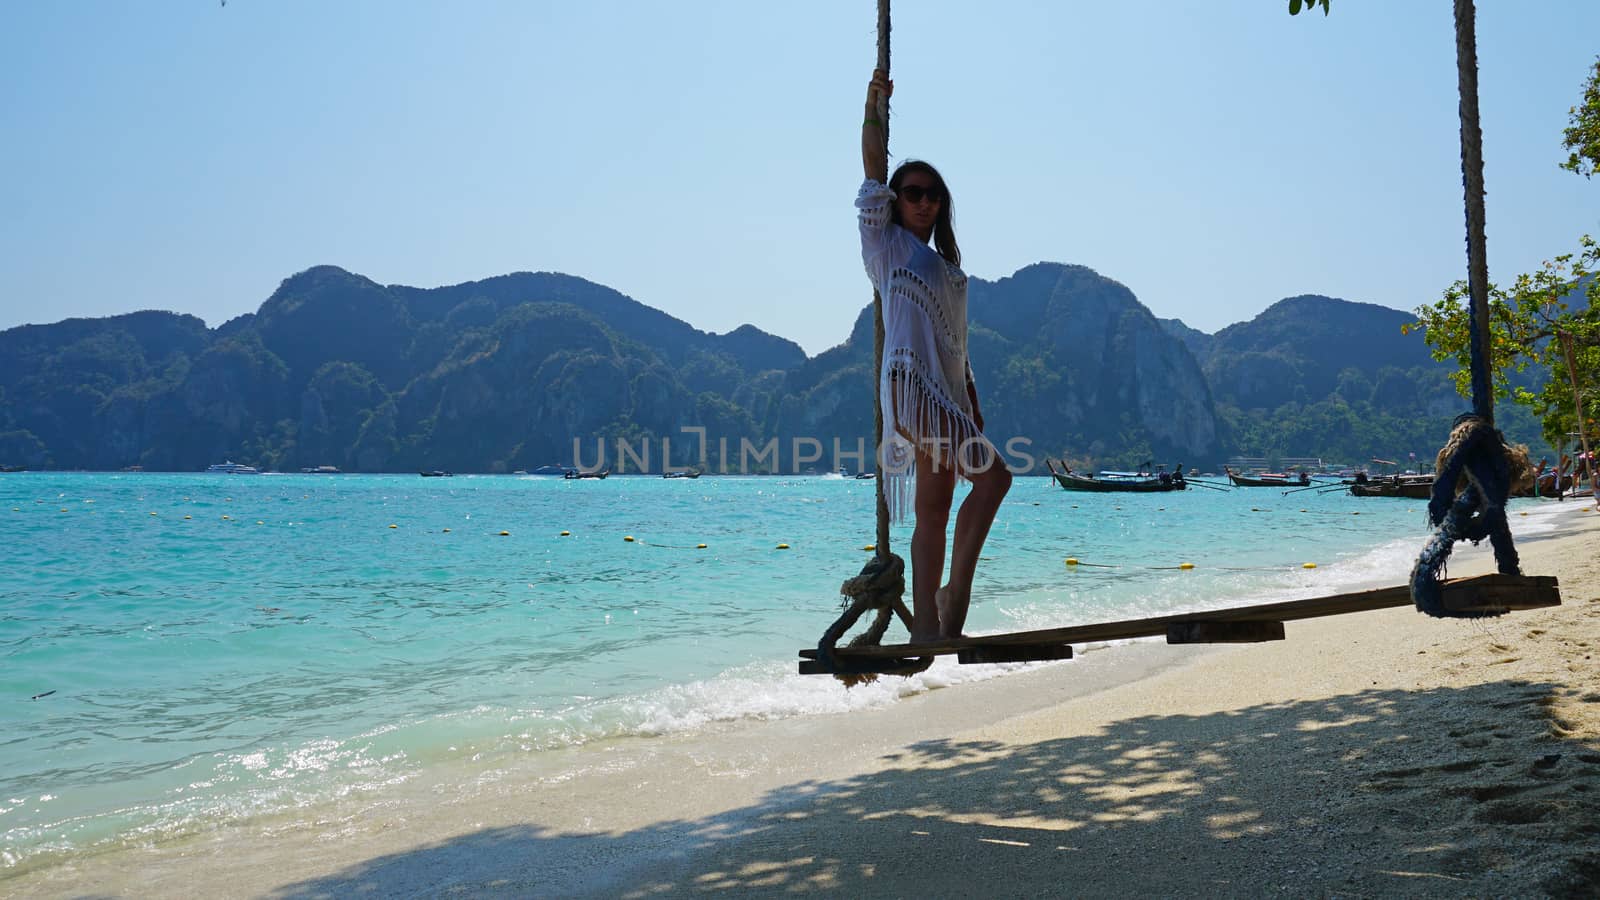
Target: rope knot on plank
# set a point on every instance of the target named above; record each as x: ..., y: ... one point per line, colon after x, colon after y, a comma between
x: 880, y: 585
x: 1476, y: 471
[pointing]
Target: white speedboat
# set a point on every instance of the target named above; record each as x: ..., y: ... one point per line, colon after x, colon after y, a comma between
x: 232, y: 468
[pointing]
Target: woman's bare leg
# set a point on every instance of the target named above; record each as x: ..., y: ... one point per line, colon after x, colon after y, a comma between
x: 936, y: 486
x: 977, y: 513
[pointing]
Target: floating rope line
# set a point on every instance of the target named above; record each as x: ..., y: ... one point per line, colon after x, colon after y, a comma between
x: 1074, y: 563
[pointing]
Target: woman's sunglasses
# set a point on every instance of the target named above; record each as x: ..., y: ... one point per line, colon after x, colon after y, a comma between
x: 916, y: 193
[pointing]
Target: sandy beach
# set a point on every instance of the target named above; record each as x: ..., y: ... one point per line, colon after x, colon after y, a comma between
x: 1370, y: 754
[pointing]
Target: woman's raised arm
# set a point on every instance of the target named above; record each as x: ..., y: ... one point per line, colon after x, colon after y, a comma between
x: 874, y: 146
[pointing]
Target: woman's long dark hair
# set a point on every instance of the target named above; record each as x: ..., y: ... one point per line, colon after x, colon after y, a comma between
x: 944, y: 230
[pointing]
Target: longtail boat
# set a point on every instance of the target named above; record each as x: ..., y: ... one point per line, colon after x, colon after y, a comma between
x: 1410, y: 487
x: 1119, y: 482
x: 576, y: 474
x: 1549, y: 482
x: 1267, y: 479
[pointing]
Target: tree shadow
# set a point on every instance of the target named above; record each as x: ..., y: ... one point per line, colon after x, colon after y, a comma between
x: 1479, y: 790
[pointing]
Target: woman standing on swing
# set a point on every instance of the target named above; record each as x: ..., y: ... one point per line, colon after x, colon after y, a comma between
x: 932, y: 426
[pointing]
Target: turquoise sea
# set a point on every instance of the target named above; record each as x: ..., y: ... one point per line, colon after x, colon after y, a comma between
x: 179, y: 652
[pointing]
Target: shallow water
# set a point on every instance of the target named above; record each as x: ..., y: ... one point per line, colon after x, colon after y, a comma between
x: 208, y: 648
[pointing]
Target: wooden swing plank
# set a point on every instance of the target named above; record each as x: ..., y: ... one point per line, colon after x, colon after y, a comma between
x: 1492, y: 592
x: 1212, y: 632
x: 868, y: 665
x: 1004, y: 653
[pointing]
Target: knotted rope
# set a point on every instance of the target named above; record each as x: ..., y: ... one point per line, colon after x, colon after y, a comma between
x: 1476, y: 472
x: 880, y: 586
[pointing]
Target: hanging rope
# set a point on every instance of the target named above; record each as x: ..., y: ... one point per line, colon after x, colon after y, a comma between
x: 882, y: 582
x: 1474, y: 473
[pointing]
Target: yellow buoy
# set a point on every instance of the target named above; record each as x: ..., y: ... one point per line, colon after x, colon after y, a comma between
x: 699, y: 546
x: 1524, y: 513
x: 225, y: 518
x: 1187, y: 565
x: 188, y: 517
x: 1072, y: 560
x: 152, y: 513
x: 566, y: 534
x: 869, y: 546
x: 783, y: 546
x: 447, y: 531
x: 392, y: 525
x: 1308, y: 565
x: 505, y: 534
x: 628, y: 538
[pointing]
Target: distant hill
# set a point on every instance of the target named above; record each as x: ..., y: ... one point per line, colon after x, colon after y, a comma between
x: 1320, y: 376
x: 337, y: 369
x: 1198, y: 342
x: 1295, y: 350
x: 509, y: 372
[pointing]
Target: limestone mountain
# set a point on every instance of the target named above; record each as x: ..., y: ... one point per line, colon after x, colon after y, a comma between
x: 1319, y: 376
x: 1297, y: 348
x: 335, y: 368
x: 508, y: 372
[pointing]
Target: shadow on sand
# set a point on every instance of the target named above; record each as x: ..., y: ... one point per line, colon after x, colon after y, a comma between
x: 1484, y: 790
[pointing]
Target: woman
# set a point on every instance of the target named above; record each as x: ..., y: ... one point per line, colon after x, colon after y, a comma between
x: 932, y: 424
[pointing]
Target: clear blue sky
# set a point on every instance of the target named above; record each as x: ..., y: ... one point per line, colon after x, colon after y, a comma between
x: 702, y: 156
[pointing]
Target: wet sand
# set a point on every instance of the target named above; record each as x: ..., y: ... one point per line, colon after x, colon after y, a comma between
x: 1369, y: 754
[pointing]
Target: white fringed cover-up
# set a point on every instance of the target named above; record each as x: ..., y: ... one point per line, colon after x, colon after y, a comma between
x: 923, y: 382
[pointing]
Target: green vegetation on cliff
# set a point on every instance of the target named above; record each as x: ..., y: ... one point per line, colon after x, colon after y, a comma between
x: 515, y: 371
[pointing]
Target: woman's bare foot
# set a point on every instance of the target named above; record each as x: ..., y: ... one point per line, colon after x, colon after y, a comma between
x: 946, y: 605
x: 924, y: 631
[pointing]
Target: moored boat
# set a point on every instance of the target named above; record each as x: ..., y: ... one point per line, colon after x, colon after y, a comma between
x: 230, y: 467
x: 682, y: 473
x: 549, y: 470
x: 575, y: 475
x: 1119, y: 482
x: 1549, y: 482
x: 1267, y: 479
x: 1410, y: 487
x: 437, y: 473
